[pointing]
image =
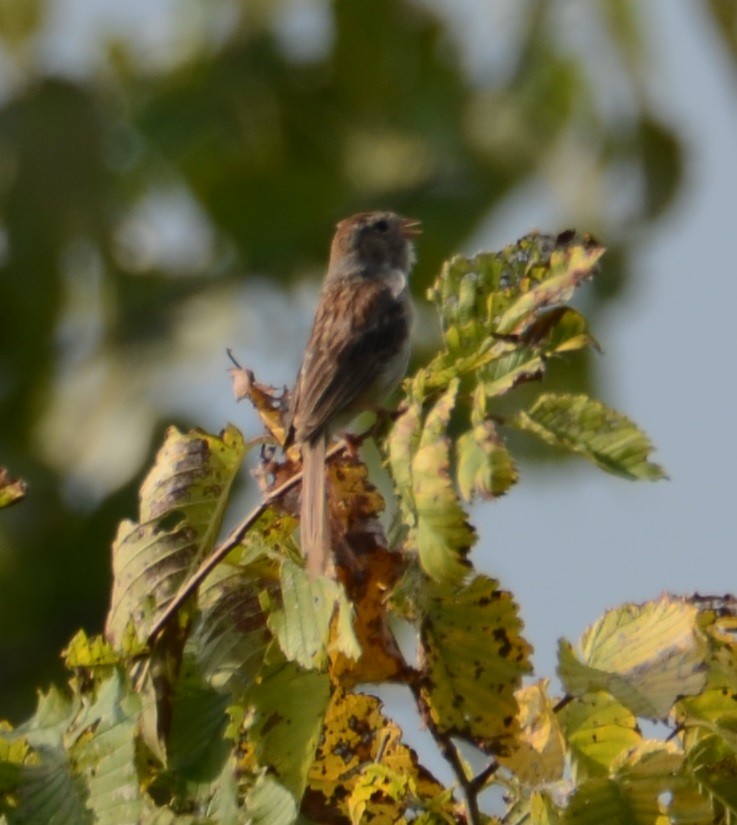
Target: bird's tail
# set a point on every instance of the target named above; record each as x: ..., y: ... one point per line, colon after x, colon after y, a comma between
x: 314, y: 524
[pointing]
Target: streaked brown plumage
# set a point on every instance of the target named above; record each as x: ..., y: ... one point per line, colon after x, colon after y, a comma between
x: 356, y: 355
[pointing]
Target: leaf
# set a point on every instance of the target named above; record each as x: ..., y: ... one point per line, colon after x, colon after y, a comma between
x: 511, y: 366
x: 12, y: 490
x: 403, y: 441
x: 598, y: 802
x: 570, y: 261
x: 358, y: 737
x: 230, y: 635
x: 89, y: 652
x: 285, y: 711
x: 499, y: 311
x: 302, y: 625
x: 714, y: 765
x: 584, y: 426
x: 380, y: 658
x: 644, y: 655
x: 195, y: 747
x: 539, y: 756
x: 182, y: 502
x: 269, y: 803
x: 439, y: 530
x: 269, y: 408
x: 472, y: 659
x: 484, y: 464
x: 48, y: 793
x: 82, y: 766
x: 378, y: 795
x: 648, y: 770
x: 103, y: 750
x: 598, y: 729
x: 558, y: 330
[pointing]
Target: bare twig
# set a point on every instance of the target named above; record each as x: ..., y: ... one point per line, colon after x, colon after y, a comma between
x: 452, y: 756
x: 479, y: 780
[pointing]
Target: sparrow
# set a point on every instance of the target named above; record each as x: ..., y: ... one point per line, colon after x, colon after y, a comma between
x: 356, y: 355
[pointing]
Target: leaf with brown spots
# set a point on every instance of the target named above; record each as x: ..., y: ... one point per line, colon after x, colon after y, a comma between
x: 598, y: 729
x: 380, y: 659
x: 282, y: 719
x: 367, y: 571
x: 357, y: 737
x: 472, y: 660
x: 182, y: 501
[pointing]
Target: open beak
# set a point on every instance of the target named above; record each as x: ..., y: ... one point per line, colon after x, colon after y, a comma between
x: 410, y: 228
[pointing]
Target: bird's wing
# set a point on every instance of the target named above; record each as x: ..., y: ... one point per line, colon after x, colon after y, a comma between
x: 358, y: 329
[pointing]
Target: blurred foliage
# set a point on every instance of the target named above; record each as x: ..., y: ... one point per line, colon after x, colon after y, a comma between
x: 147, y: 172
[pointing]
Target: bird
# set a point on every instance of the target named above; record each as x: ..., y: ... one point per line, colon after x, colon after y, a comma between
x: 357, y: 353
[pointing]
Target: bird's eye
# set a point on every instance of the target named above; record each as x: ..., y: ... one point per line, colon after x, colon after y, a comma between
x: 382, y: 225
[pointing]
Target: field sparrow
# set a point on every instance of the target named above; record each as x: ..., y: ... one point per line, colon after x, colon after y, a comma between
x: 357, y: 353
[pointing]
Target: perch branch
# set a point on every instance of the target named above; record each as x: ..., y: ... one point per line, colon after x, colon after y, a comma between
x: 221, y: 551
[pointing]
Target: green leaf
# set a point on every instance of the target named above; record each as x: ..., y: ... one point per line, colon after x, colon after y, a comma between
x: 439, y: 530
x: 48, y: 792
x: 472, y: 659
x: 551, y: 282
x: 512, y: 365
x: 285, y: 710
x: 182, y: 502
x: 600, y: 801
x: 586, y: 427
x: 103, y: 750
x: 230, y: 636
x: 644, y: 655
x: 499, y: 312
x: 646, y: 773
x: 598, y: 729
x: 269, y: 803
x: 82, y: 768
x: 195, y: 745
x: 89, y: 652
x: 302, y: 625
x: 484, y: 464
x: 403, y: 441
x: 714, y: 766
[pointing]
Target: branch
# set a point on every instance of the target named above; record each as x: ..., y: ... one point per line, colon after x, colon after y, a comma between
x: 232, y: 540
x: 448, y: 749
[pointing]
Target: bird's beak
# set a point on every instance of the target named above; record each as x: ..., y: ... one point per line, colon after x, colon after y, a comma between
x: 410, y: 228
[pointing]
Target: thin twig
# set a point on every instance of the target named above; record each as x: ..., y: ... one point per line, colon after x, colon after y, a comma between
x: 452, y: 756
x: 478, y: 782
x: 221, y: 551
